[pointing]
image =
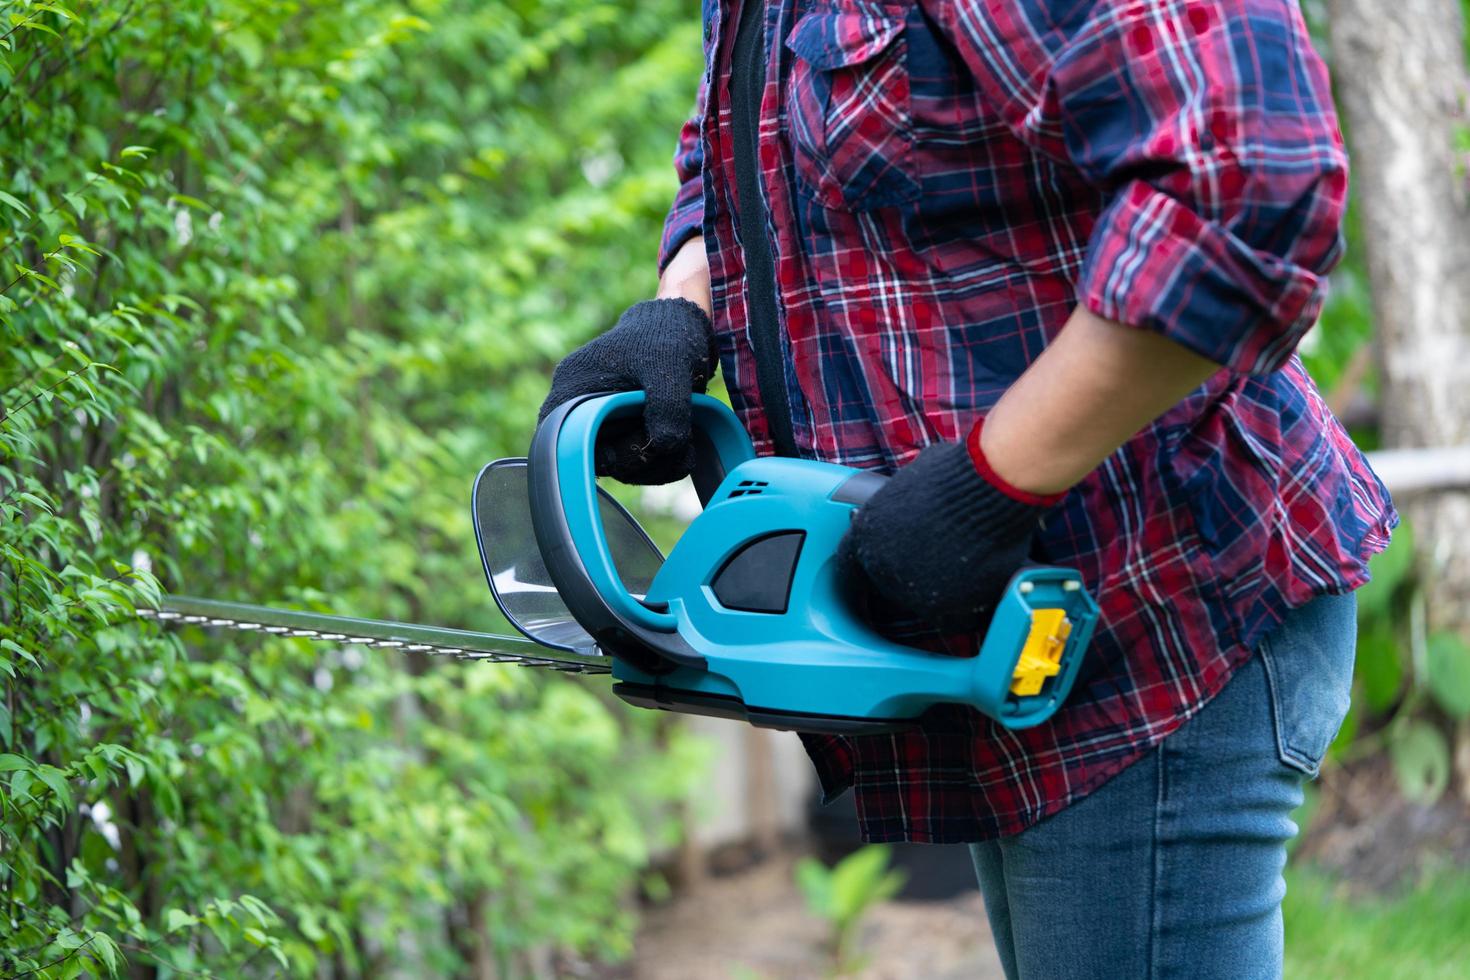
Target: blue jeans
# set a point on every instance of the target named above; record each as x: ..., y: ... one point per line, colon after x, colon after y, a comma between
x: 1173, y: 868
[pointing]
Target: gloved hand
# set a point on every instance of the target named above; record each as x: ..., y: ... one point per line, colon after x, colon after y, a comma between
x: 942, y: 537
x: 663, y: 347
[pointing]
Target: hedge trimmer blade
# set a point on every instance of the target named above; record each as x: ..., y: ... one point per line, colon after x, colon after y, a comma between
x: 408, y: 637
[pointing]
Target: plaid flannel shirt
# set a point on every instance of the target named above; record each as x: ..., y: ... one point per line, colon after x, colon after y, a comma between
x: 945, y: 181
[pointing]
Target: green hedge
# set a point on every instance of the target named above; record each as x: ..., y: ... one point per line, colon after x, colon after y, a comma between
x: 278, y: 277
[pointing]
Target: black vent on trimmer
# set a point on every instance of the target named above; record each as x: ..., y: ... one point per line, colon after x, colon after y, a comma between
x: 747, y: 488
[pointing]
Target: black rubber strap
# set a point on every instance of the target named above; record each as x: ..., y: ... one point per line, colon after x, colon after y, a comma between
x: 747, y: 83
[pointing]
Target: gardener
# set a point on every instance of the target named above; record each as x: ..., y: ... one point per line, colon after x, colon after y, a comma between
x: 1048, y: 262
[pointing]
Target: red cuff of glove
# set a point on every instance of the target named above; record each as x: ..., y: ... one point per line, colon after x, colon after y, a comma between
x: 982, y: 466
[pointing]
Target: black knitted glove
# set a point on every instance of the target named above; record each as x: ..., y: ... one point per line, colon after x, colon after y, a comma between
x: 939, y: 540
x: 663, y: 347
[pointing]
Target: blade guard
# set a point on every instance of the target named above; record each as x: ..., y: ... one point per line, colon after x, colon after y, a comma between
x: 804, y: 659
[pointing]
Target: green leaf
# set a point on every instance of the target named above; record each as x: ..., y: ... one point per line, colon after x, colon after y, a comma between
x: 815, y: 882
x: 56, y: 780
x: 176, y: 919
x: 1389, y: 569
x: 1379, y: 666
x: 9, y: 762
x: 56, y: 8
x: 861, y: 880
x: 135, y: 151
x: 192, y: 202
x: 1448, y: 667
x: 35, y: 25
x: 15, y: 203
x: 403, y: 22
x: 247, y: 46
x: 20, y: 651
x: 40, y: 277
x: 71, y: 241
x: 1421, y: 761
x: 262, y: 912
x: 104, y: 950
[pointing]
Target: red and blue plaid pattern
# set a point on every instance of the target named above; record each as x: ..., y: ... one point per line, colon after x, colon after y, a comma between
x: 946, y: 180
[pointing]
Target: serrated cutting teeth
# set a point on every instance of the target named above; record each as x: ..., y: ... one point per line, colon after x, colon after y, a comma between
x: 408, y: 637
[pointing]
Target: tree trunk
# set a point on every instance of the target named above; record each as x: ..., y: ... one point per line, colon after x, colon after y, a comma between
x: 482, y: 960
x: 1401, y: 78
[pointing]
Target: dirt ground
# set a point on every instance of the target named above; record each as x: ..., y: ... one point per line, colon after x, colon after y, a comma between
x: 1368, y: 835
x: 753, y: 925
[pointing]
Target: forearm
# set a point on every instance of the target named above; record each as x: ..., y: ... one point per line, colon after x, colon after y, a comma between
x: 1096, y: 385
x: 687, y: 276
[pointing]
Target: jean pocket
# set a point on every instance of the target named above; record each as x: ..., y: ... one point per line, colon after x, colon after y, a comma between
x: 1309, y: 673
x: 848, y: 105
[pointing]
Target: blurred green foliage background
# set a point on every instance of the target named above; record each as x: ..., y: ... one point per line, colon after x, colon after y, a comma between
x: 278, y: 278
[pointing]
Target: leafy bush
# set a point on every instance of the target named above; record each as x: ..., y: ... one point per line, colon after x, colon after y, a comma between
x: 278, y: 277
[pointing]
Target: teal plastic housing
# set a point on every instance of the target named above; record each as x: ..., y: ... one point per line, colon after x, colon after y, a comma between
x: 818, y: 658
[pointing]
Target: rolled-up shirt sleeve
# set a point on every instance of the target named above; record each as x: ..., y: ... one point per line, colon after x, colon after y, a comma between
x: 1208, y: 128
x: 686, y: 215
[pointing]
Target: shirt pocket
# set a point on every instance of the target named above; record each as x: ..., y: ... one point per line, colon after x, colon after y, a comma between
x: 848, y: 105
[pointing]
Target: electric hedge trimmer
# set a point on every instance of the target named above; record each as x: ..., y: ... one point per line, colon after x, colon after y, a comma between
x: 745, y: 619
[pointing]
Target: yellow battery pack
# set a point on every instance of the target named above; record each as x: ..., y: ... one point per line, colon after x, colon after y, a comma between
x: 1041, y: 657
